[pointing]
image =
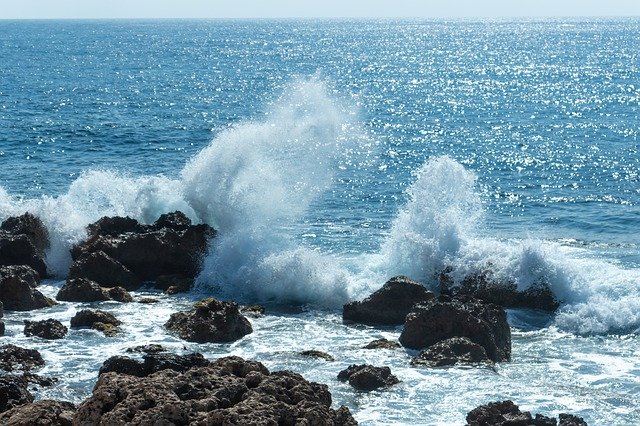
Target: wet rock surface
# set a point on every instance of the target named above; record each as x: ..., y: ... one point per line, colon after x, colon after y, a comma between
x: 367, y: 377
x: 457, y: 350
x: 84, y: 290
x: 382, y: 344
x: 210, y: 320
x: 444, y: 318
x: 14, y: 357
x: 506, y: 413
x: 389, y: 305
x: 97, y: 320
x: 313, y: 353
x: 23, y: 241
x: 13, y: 392
x: 153, y: 362
x: 228, y: 391
x: 18, y: 289
x: 122, y: 252
x: 50, y: 329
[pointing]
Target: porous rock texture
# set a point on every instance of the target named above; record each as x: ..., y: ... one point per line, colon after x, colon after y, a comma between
x: 229, y: 391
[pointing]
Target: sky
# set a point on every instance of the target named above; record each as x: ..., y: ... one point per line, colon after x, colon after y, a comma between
x: 109, y: 9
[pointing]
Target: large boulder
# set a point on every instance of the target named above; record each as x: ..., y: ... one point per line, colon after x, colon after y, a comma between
x: 506, y: 413
x: 228, y: 391
x: 84, y: 290
x: 444, y: 318
x: 18, y: 289
x: 456, y: 350
x: 100, y: 267
x: 43, y: 412
x: 482, y: 285
x: 170, y: 246
x: 23, y: 241
x: 14, y: 357
x: 47, y: 329
x: 367, y: 377
x: 389, y: 305
x: 210, y: 320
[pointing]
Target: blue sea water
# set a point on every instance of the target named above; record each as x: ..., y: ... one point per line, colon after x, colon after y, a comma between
x: 332, y: 155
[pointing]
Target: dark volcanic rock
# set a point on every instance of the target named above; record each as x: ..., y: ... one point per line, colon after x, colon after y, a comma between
x: 153, y: 362
x: 382, y: 344
x: 47, y: 329
x: 147, y: 349
x: 389, y: 305
x: 210, y: 320
x: 457, y: 350
x: 504, y: 293
x: 13, y: 357
x: 170, y: 246
x: 18, y: 289
x: 506, y: 413
x: 172, y: 284
x: 13, y: 392
x: 436, y: 320
x: 227, y: 391
x: 97, y: 320
x: 103, y: 269
x: 44, y: 412
x: 84, y: 290
x: 367, y: 377
x: 23, y: 240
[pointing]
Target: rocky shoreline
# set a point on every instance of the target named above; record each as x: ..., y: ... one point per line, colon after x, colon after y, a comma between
x: 464, y: 325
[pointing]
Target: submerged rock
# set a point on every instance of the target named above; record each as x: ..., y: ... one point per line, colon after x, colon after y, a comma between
x: 389, y: 305
x: 23, y: 241
x: 18, y: 289
x: 367, y: 377
x: 210, y: 320
x: 122, y: 252
x: 504, y: 293
x: 47, y: 329
x: 43, y: 412
x: 444, y: 318
x: 457, y: 350
x: 317, y: 354
x: 382, y: 344
x: 506, y: 413
x: 227, y: 391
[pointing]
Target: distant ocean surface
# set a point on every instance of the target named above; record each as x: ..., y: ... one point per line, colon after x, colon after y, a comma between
x: 332, y: 155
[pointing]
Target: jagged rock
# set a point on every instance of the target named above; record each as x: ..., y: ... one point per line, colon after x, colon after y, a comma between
x: 14, y: 357
x: 444, y: 318
x: 504, y: 293
x: 18, y: 289
x: 227, y: 391
x: 317, y: 354
x: 101, y: 268
x: 382, y: 344
x: 210, y: 320
x: 147, y: 349
x: 506, y: 413
x: 170, y: 246
x: 13, y: 392
x: 84, y: 290
x: 97, y: 320
x: 23, y: 240
x: 457, y: 350
x: 389, y: 305
x: 43, y: 412
x: 47, y: 329
x: 153, y: 362
x: 367, y: 377
x: 39, y: 380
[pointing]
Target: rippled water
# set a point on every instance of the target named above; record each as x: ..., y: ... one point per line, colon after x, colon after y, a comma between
x: 332, y: 155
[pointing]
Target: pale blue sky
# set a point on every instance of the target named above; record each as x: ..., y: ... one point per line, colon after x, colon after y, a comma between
x: 53, y: 9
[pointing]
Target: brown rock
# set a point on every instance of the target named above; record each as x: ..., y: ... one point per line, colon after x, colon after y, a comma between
x: 23, y: 240
x: 367, y: 377
x: 382, y: 344
x: 103, y: 269
x: 457, y: 350
x: 44, y: 412
x: 47, y: 329
x: 210, y: 320
x: 14, y: 357
x: 18, y: 289
x: 97, y: 320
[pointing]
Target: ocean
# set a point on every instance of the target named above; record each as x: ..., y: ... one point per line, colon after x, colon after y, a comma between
x: 332, y: 155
